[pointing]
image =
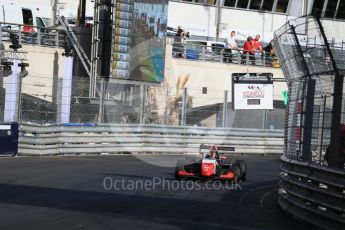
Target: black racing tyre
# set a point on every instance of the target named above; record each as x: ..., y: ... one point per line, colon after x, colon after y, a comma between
x: 243, y: 168
x: 236, y: 170
x: 179, y: 166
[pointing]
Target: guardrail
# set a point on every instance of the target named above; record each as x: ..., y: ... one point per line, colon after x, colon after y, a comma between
x: 217, y: 53
x: 55, y: 140
x: 44, y: 36
x: 313, y: 193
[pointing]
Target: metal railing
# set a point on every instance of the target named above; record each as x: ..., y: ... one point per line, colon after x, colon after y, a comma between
x: 105, y: 138
x: 217, y: 53
x: 313, y: 193
x: 43, y: 36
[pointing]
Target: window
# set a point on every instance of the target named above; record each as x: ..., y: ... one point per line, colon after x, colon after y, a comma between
x: 242, y: 4
x: 200, y: 1
x: 39, y: 22
x: 210, y: 2
x: 27, y: 17
x: 255, y: 4
x: 317, y: 7
x: 267, y: 5
x: 341, y: 10
x: 282, y: 6
x: 330, y: 9
x: 230, y: 3
x: 204, y: 90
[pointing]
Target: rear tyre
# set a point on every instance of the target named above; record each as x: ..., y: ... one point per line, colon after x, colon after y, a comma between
x: 179, y: 167
x: 236, y: 170
x: 243, y: 169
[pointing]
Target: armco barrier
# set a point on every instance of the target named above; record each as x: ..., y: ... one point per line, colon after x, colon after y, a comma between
x: 313, y: 193
x: 55, y: 140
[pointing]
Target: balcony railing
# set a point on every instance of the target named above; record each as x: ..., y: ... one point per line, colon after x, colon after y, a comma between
x: 43, y: 36
x: 217, y: 53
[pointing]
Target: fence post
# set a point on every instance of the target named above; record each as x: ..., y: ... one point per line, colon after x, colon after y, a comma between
x: 20, y: 35
x: 225, y: 108
x: 166, y: 106
x: 57, y: 39
x: 185, y: 52
x: 203, y: 53
x: 184, y: 104
x: 101, y: 102
x: 142, y: 104
x: 38, y: 36
x: 0, y: 33
x: 322, y: 127
x: 239, y: 57
x: 58, y: 101
x: 19, y: 93
x: 264, y: 58
x: 247, y: 58
x: 221, y: 55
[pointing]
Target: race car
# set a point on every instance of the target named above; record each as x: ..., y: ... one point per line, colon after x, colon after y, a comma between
x: 212, y: 164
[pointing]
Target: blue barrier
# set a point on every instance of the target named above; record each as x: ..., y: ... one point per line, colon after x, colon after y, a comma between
x: 9, y: 134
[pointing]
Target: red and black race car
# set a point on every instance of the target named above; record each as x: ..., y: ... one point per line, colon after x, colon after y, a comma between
x: 212, y: 164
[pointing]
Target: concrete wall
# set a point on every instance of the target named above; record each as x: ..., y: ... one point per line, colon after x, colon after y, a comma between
x: 45, y: 66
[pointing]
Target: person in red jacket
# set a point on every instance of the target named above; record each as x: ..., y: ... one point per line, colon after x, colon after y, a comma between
x: 249, y: 49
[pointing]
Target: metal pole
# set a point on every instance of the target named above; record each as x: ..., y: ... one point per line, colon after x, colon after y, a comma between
x: 101, y: 102
x: 0, y: 34
x: 58, y: 101
x: 322, y: 127
x: 19, y: 92
x: 54, y: 11
x: 225, y: 108
x: 142, y: 104
x: 334, y: 160
x: 218, y: 18
x: 184, y: 104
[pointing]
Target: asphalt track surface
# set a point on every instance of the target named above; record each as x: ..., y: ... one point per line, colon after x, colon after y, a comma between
x: 74, y: 192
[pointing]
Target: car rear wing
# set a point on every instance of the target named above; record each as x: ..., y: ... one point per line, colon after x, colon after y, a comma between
x: 219, y: 148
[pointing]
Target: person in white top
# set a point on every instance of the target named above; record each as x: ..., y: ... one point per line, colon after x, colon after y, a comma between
x: 231, y: 47
x: 231, y: 41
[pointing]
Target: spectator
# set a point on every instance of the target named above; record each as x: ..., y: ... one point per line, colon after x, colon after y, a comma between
x: 257, y: 44
x: 231, y: 47
x: 177, y: 46
x: 184, y: 35
x: 269, y: 54
x: 249, y: 50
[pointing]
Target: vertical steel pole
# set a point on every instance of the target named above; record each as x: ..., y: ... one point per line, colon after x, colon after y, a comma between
x: 308, y: 104
x: 225, y: 108
x: 19, y: 92
x: 218, y: 18
x: 322, y: 127
x: 334, y: 153
x: 142, y: 104
x: 184, y: 105
x: 101, y: 102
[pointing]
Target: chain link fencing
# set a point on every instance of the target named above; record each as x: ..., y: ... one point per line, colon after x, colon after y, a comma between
x: 43, y: 100
x: 312, y: 65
